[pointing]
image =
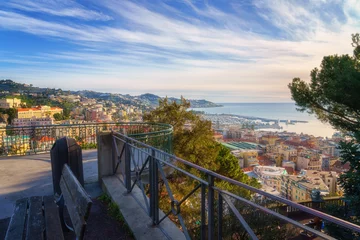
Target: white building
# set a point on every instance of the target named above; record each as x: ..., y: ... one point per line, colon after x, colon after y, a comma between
x: 270, y: 176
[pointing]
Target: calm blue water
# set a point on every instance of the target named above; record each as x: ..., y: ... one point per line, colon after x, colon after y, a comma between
x: 283, y: 111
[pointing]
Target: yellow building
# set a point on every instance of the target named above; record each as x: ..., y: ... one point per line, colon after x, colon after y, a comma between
x: 38, y: 112
x: 270, y: 139
x: 10, y: 103
x: 250, y: 157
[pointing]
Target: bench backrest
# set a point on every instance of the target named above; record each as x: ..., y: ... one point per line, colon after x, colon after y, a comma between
x: 77, y: 201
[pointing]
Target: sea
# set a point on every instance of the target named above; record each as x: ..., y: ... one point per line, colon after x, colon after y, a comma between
x: 277, y: 111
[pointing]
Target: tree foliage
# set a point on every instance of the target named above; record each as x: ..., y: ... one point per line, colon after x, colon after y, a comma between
x: 333, y: 96
x: 8, y: 115
x: 333, y: 92
x: 193, y: 141
x: 59, y: 116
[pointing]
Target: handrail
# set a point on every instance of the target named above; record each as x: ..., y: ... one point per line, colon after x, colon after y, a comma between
x: 128, y: 141
x: 22, y: 140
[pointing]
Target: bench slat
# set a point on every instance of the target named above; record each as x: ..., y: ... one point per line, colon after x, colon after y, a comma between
x: 78, y: 193
x: 35, y: 224
x: 17, y: 223
x: 77, y: 221
x: 52, y: 220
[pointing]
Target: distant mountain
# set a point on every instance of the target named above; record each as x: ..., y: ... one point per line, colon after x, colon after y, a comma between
x: 153, y: 100
x: 147, y: 99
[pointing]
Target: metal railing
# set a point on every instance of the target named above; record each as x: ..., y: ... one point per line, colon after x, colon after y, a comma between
x: 332, y: 201
x: 34, y: 139
x: 204, y: 204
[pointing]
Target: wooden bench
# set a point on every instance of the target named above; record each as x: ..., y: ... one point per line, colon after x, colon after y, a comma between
x: 40, y: 217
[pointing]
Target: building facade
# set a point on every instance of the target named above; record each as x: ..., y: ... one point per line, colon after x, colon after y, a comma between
x: 28, y: 122
x: 38, y: 112
x: 10, y: 103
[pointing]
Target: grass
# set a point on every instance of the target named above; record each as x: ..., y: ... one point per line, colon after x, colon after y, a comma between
x: 114, y: 212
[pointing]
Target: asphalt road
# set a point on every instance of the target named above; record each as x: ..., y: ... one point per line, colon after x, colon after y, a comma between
x: 25, y: 176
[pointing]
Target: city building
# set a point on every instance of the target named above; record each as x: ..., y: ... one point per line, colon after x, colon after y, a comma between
x: 38, y: 112
x: 325, y: 165
x: 246, y: 152
x: 27, y: 122
x: 270, y: 176
x: 300, y: 187
x: 329, y: 179
x: 288, y: 164
x: 270, y: 139
x: 309, y: 160
x: 339, y: 167
x: 10, y: 103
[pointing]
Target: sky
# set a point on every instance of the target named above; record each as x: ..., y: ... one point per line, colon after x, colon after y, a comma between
x: 219, y: 50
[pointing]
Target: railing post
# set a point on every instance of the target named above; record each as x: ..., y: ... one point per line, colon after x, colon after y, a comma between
x: 127, y: 165
x: 210, y: 207
x: 220, y: 214
x: 154, y: 189
x: 203, y: 211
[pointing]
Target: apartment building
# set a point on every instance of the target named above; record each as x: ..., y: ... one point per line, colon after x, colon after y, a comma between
x: 270, y: 176
x: 10, y: 103
x: 38, y: 112
x: 300, y: 187
x: 27, y: 122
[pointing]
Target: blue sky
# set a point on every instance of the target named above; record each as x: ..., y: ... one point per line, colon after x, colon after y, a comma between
x: 221, y: 50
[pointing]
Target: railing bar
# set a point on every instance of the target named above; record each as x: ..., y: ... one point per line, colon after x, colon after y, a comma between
x: 165, y: 216
x: 190, y: 193
x: 220, y: 214
x: 117, y: 154
x: 133, y: 185
x: 203, y: 209
x: 240, y: 218
x: 166, y: 182
x: 282, y: 217
x: 182, y: 223
x: 183, y: 171
x: 211, y: 212
x: 144, y: 195
x: 120, y: 139
x: 136, y: 166
x: 144, y: 165
x: 327, y: 217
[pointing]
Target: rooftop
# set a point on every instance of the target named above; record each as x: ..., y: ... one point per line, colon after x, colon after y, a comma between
x: 241, y: 145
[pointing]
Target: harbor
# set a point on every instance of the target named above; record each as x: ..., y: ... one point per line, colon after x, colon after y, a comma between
x: 248, y: 121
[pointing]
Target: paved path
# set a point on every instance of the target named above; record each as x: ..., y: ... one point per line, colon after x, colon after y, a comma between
x: 25, y: 176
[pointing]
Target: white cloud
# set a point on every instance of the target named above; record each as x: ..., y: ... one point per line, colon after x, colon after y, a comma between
x: 159, y: 52
x: 63, y: 8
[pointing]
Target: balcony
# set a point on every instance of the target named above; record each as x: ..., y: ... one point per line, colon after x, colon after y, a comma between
x: 148, y: 177
x: 39, y: 139
x: 136, y: 167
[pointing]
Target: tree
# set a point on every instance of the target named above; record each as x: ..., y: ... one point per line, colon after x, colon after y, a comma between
x: 4, y: 118
x: 333, y: 96
x: 8, y: 114
x: 58, y: 116
x: 67, y: 107
x: 193, y: 141
x: 333, y: 92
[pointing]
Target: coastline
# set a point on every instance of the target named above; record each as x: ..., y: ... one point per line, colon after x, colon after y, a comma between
x: 272, y: 112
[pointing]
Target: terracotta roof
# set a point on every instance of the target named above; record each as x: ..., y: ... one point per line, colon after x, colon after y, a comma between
x: 36, y: 109
x: 290, y: 170
x: 338, y: 166
x: 248, y: 169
